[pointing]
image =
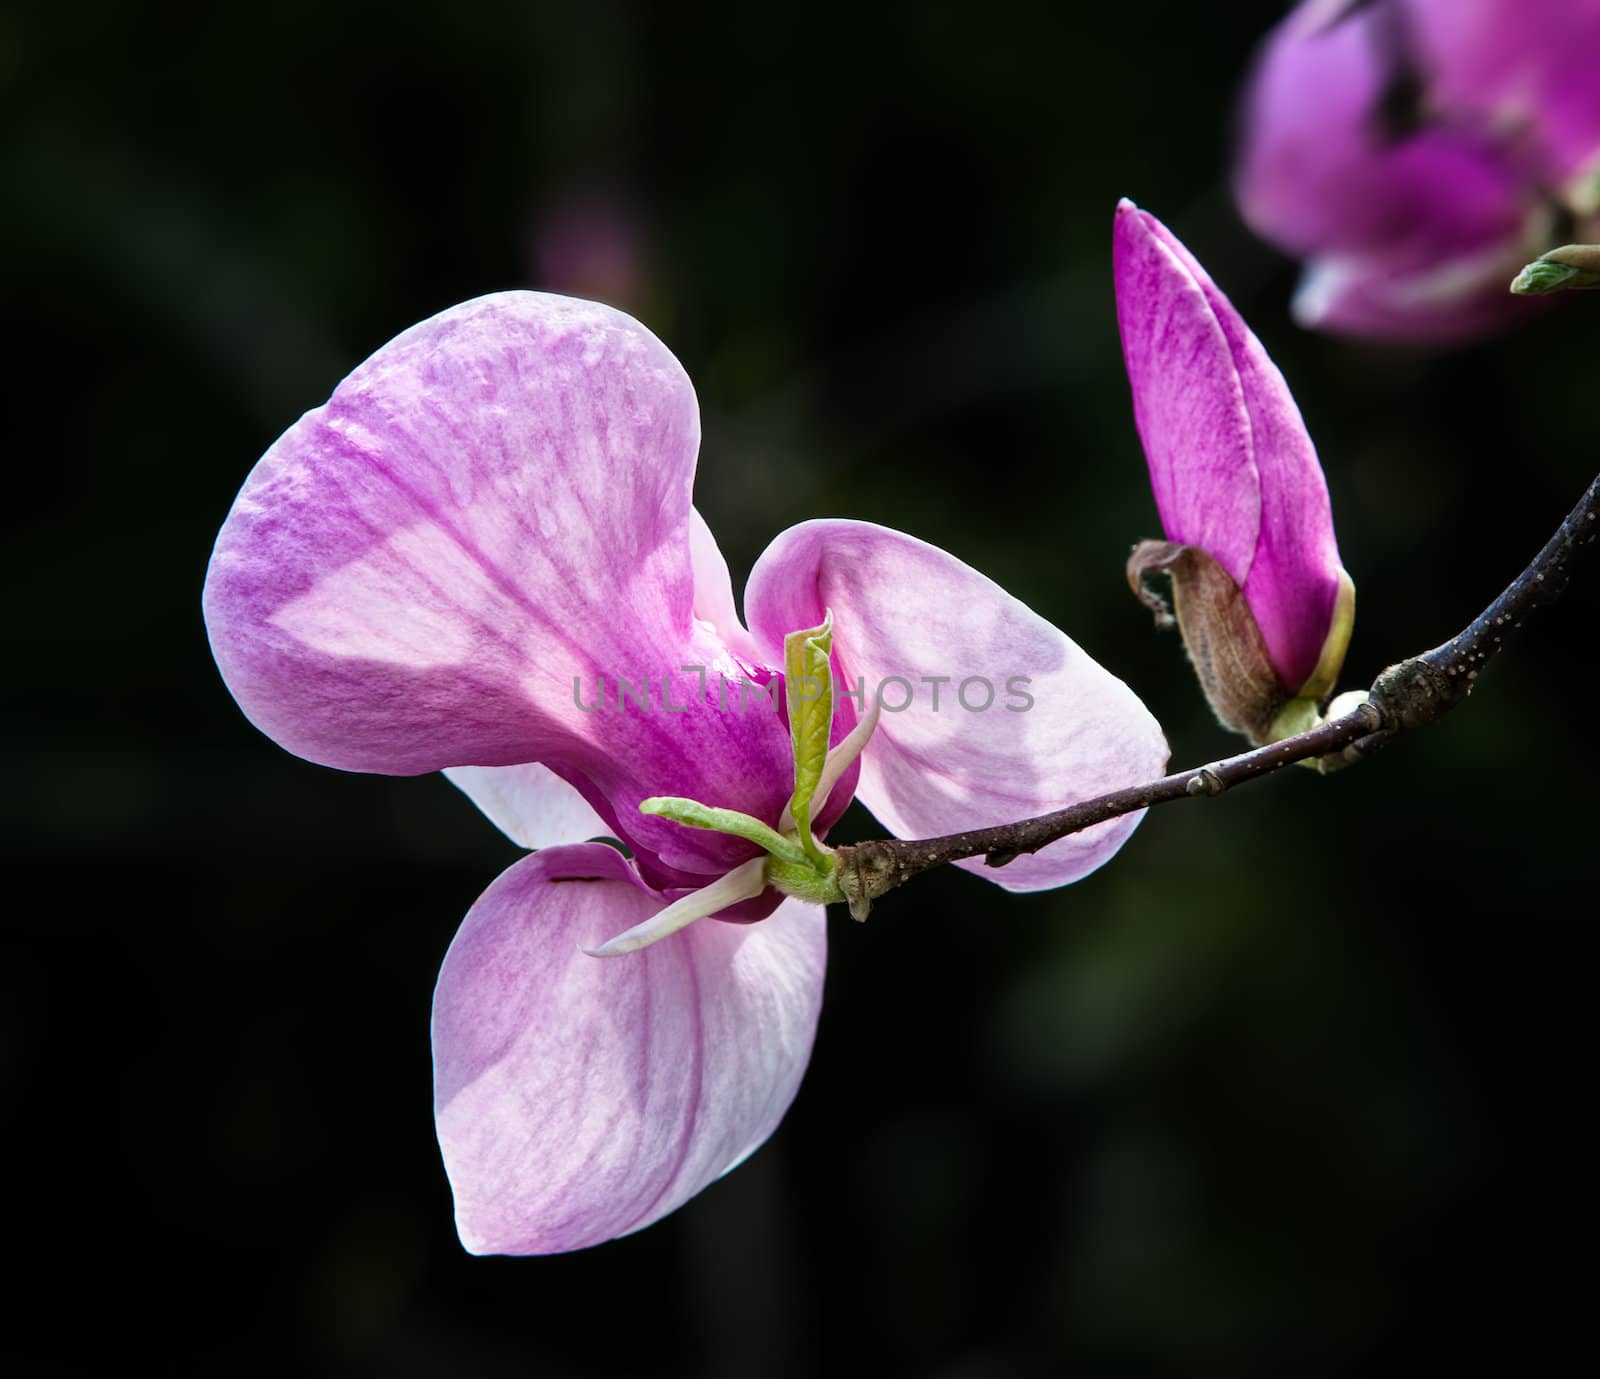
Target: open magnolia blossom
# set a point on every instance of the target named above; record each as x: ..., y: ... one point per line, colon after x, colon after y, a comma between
x: 479, y: 556
x: 1416, y: 153
x: 1264, y: 605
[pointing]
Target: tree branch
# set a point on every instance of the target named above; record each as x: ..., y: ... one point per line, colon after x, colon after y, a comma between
x: 1406, y: 696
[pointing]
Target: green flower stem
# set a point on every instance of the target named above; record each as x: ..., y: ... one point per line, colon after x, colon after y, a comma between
x: 806, y: 881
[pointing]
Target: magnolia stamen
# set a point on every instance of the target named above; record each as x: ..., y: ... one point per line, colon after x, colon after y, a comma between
x: 742, y: 883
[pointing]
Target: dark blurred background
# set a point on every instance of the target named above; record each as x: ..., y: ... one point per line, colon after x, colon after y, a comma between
x: 1302, y: 1080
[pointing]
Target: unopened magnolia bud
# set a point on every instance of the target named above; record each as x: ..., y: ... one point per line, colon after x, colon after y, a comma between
x: 1219, y: 632
x: 1571, y: 268
x: 1265, y: 606
x: 1584, y: 257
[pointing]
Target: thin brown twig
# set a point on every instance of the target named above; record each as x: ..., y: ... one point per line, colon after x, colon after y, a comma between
x: 1404, y: 697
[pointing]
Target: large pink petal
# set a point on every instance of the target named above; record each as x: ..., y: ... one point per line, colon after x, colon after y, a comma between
x: 536, y: 808
x: 1230, y: 460
x: 578, y: 1098
x: 713, y: 593
x: 530, y: 804
x: 903, y: 608
x: 494, y: 506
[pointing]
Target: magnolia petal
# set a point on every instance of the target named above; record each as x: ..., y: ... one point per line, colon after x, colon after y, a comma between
x: 1188, y: 400
x: 457, y: 557
x: 1378, y: 295
x: 1304, y: 130
x: 713, y: 591
x: 1230, y: 459
x: 530, y: 804
x: 470, y: 493
x: 577, y: 1100
x: 1026, y: 721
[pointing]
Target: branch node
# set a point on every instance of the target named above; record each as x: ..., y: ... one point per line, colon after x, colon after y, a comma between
x: 867, y: 871
x: 1413, y: 692
x: 1205, y: 781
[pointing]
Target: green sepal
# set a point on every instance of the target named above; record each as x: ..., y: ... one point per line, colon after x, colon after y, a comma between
x: 1297, y: 716
x: 1541, y: 276
x: 805, y: 664
x: 693, y: 814
x: 1569, y: 268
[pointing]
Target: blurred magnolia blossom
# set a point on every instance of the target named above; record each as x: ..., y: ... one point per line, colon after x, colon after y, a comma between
x: 489, y: 512
x: 1416, y: 153
x: 1263, y: 603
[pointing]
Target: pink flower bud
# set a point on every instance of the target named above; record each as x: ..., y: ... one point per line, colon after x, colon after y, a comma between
x: 1264, y: 605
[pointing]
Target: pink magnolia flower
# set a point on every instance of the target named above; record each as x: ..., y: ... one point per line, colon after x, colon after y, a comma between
x: 1416, y: 153
x: 1265, y: 606
x: 451, y: 565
